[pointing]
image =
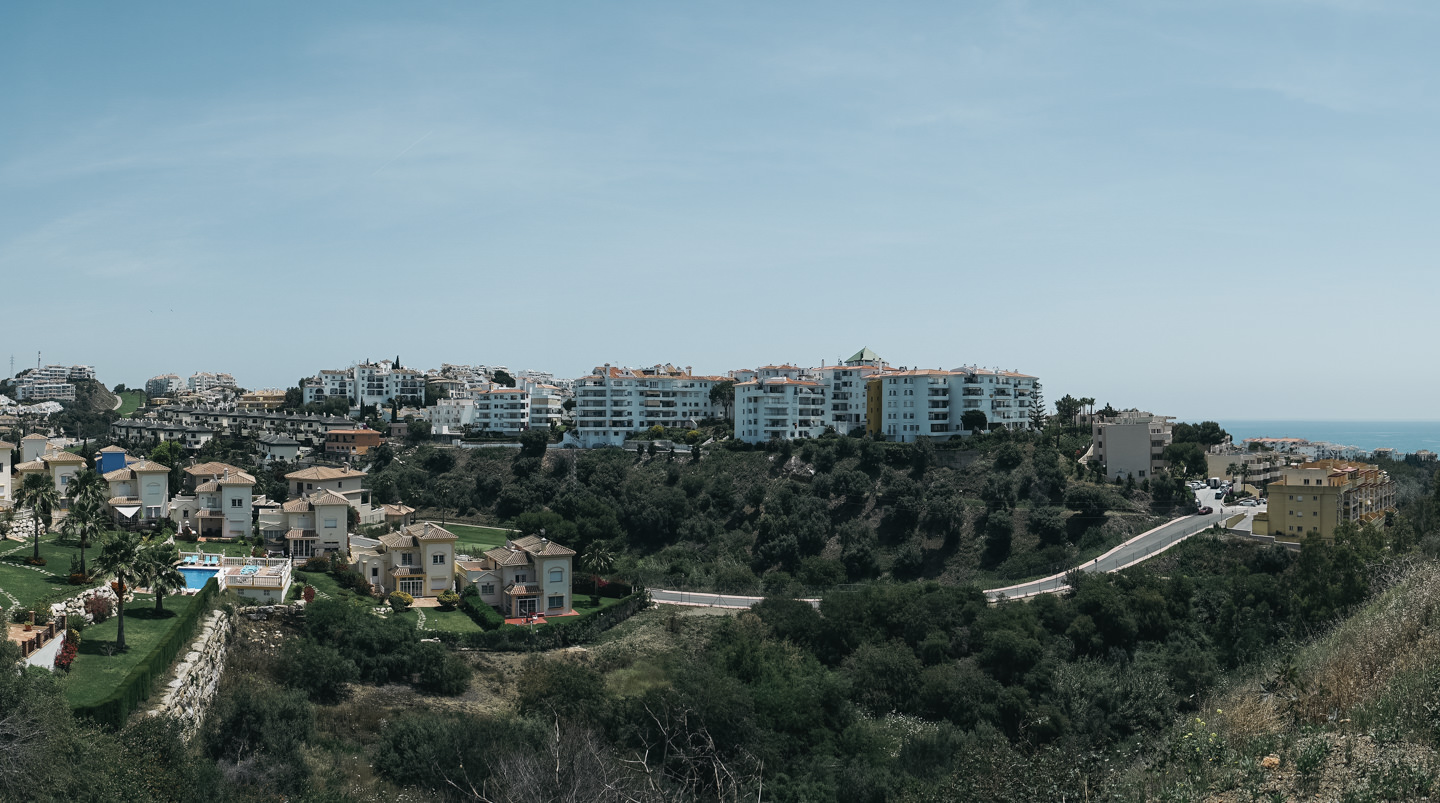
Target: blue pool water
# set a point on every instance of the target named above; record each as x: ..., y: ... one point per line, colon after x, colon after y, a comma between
x: 195, y: 577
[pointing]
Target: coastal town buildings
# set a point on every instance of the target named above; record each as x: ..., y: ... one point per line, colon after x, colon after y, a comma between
x: 615, y: 402
x: 1317, y: 496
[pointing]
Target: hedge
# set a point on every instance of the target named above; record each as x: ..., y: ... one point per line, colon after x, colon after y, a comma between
x: 552, y: 635
x: 113, y: 710
x: 613, y: 589
x: 483, y: 615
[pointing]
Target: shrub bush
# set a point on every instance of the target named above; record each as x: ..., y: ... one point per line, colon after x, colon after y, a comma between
x: 317, y: 563
x: 448, y: 600
x: 399, y: 600
x: 483, y: 615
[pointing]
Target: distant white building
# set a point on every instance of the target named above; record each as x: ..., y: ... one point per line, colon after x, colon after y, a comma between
x: 614, y: 402
x: 202, y: 381
x: 51, y: 383
x: 367, y: 383
x: 164, y: 385
x: 783, y: 402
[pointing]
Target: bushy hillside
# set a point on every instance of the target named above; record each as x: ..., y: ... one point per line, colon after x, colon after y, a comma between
x: 789, y: 516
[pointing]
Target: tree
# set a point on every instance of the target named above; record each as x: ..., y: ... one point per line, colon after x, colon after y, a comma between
x: 157, y: 570
x: 503, y: 378
x: 294, y: 399
x: 87, y: 520
x: 1067, y: 408
x: 597, y: 560
x: 722, y: 393
x: 974, y: 420
x: 121, y: 558
x: 37, y: 492
x: 1188, y: 458
x: 169, y: 453
x: 533, y: 442
x: 1205, y: 433
x: 1037, y: 409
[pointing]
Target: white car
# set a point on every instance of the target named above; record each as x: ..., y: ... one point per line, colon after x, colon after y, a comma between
x: 1247, y: 503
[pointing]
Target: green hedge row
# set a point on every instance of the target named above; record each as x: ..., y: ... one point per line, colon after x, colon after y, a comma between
x: 552, y: 635
x: 113, y: 710
x: 485, y: 616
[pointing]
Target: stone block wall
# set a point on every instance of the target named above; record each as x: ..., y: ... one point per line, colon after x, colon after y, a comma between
x: 197, y: 674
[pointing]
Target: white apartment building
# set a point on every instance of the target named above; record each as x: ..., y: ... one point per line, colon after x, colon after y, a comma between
x: 201, y: 381
x: 501, y: 410
x: 546, y: 405
x: 51, y: 383
x: 933, y: 403
x: 452, y: 415
x: 365, y: 384
x: 164, y: 385
x: 780, y: 401
x: 845, y: 389
x: 1131, y: 444
x: 613, y: 402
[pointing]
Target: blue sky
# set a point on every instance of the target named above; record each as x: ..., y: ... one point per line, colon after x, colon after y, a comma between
x: 1123, y: 198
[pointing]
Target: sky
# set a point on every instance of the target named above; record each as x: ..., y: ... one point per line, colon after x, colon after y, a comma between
x: 1207, y: 210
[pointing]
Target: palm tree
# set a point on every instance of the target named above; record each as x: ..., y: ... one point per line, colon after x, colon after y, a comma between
x: 597, y: 560
x: 1233, y: 470
x: 121, y: 557
x: 157, y: 569
x: 85, y: 523
x: 38, y: 493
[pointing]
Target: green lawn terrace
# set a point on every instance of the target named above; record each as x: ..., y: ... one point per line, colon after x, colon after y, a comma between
x: 100, y: 667
x: 474, y: 540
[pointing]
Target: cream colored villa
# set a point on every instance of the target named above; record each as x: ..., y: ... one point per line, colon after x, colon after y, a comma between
x: 530, y: 575
x: 418, y: 560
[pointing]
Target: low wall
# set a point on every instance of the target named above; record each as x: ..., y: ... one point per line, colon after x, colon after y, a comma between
x: 197, y: 675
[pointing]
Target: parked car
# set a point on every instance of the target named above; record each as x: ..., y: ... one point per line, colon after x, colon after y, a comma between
x: 1248, y: 503
x: 1219, y: 494
x: 1206, y: 511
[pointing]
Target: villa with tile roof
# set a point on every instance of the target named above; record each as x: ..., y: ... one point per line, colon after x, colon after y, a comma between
x: 59, y: 466
x: 418, y: 560
x: 220, y: 505
x: 529, y: 575
x: 314, y: 524
x: 139, y: 493
x: 345, y: 481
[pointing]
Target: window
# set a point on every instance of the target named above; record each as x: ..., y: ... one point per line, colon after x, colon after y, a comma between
x: 557, y: 575
x: 520, y: 578
x: 487, y: 589
x: 406, y: 559
x: 374, y: 571
x: 555, y: 602
x: 237, y: 502
x: 330, y: 522
x: 438, y: 559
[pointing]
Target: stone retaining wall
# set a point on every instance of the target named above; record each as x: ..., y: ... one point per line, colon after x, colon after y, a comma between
x: 197, y: 675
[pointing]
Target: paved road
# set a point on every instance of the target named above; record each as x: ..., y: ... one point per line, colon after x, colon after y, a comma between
x: 709, y: 600
x: 1134, y: 550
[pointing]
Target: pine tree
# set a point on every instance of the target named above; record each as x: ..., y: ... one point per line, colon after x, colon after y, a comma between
x: 1037, y: 409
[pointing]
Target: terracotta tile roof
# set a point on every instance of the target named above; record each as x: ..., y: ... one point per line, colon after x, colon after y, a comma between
x: 396, y: 541
x: 398, y: 510
x: 470, y: 565
x: 122, y: 500
x: 112, y: 450
x: 241, y: 479
x: 295, y: 535
x: 4, y: 445
x: 323, y: 473
x: 407, y: 571
x: 148, y: 466
x: 504, y: 556
x: 428, y: 531
x: 34, y: 437
x: 31, y: 465
x: 207, y: 487
x: 324, y: 497
x: 63, y: 457
x: 536, y: 545
x: 296, y: 506
x: 212, y: 469
x: 119, y: 475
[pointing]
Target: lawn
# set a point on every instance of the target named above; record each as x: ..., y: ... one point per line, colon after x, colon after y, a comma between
x: 325, y: 586
x: 234, y: 549
x: 28, y: 583
x: 456, y: 621
x: 130, y: 401
x: 582, y: 605
x: 95, y: 674
x: 478, y: 539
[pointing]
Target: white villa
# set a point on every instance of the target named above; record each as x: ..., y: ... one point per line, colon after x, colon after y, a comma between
x: 530, y: 575
x: 314, y: 524
x: 418, y: 560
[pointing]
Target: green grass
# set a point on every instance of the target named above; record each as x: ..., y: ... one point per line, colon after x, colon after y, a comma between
x: 581, y: 603
x: 456, y: 621
x: 325, y: 586
x: 94, y: 675
x: 130, y: 401
x: 478, y: 539
x: 28, y: 583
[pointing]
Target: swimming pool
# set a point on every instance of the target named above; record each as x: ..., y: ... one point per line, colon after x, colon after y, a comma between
x: 195, y: 577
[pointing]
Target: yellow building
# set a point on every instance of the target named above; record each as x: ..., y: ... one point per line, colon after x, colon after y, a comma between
x: 1316, y: 497
x: 874, y: 404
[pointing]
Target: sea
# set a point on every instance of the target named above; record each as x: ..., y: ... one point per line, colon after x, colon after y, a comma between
x: 1402, y: 436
